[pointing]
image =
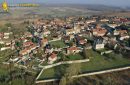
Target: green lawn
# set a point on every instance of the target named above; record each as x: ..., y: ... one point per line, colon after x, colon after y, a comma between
x: 96, y: 63
x: 4, y: 56
x: 33, y: 62
x: 18, y: 82
x: 44, y: 63
x: 4, y: 70
x: 58, y: 44
x: 14, y: 82
x: 74, y: 57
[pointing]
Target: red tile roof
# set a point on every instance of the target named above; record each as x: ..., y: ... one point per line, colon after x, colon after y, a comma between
x: 25, y: 44
x: 72, y: 48
x: 45, y: 40
x: 100, y: 31
x: 53, y: 55
x: 1, y: 34
x: 27, y: 50
x: 82, y: 41
x: 122, y: 31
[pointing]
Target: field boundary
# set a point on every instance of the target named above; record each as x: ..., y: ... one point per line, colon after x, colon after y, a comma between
x: 88, y: 74
x: 60, y: 63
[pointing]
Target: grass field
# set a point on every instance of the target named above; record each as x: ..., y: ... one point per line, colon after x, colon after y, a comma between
x: 4, y: 55
x: 58, y: 44
x: 96, y: 63
x: 74, y: 57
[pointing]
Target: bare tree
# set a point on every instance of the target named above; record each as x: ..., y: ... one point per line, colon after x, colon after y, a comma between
x: 63, y: 81
x: 72, y: 70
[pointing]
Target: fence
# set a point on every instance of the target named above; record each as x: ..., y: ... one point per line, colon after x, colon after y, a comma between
x: 87, y: 74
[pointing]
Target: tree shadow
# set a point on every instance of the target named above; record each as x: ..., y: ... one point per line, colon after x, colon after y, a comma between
x: 60, y: 71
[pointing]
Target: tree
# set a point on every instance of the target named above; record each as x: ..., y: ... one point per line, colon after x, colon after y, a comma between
x: 35, y: 39
x: 8, y: 24
x: 72, y: 70
x: 88, y: 53
x: 62, y: 55
x: 18, y: 44
x: 63, y: 81
x: 85, y: 53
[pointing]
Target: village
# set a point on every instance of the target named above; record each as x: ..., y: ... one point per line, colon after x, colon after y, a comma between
x: 50, y: 41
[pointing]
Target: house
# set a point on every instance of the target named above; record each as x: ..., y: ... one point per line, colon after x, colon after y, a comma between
x: 6, y: 35
x: 56, y: 37
x: 70, y: 31
x: 36, y: 33
x: 1, y: 35
x: 52, y: 58
x: 23, y: 39
x: 104, y: 20
x: 8, y: 43
x: 66, y: 39
x: 2, y: 42
x: 28, y: 43
x: 99, y: 32
x: 112, y: 44
x: 28, y: 49
x: 80, y: 40
x: 46, y: 32
x: 38, y: 22
x: 73, y: 50
x: 33, y: 47
x: 5, y: 42
x: 123, y: 34
x: 116, y: 19
x: 112, y: 25
x: 80, y: 22
x: 5, y: 48
x: 48, y: 49
x: 23, y: 52
x: 90, y: 21
x: 99, y: 46
x: 115, y: 32
x: 59, y: 22
x: 86, y: 33
x: 77, y: 28
x: 28, y: 34
x: 71, y: 36
x: 25, y: 59
x: 98, y: 43
x: 44, y: 41
x: 14, y: 60
x: 124, y: 20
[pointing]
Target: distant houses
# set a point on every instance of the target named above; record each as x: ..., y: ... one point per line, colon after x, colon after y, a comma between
x: 98, y: 43
x: 73, y: 50
x: 5, y: 35
x: 28, y: 49
x: 52, y: 58
x: 74, y: 33
x: 99, y: 31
